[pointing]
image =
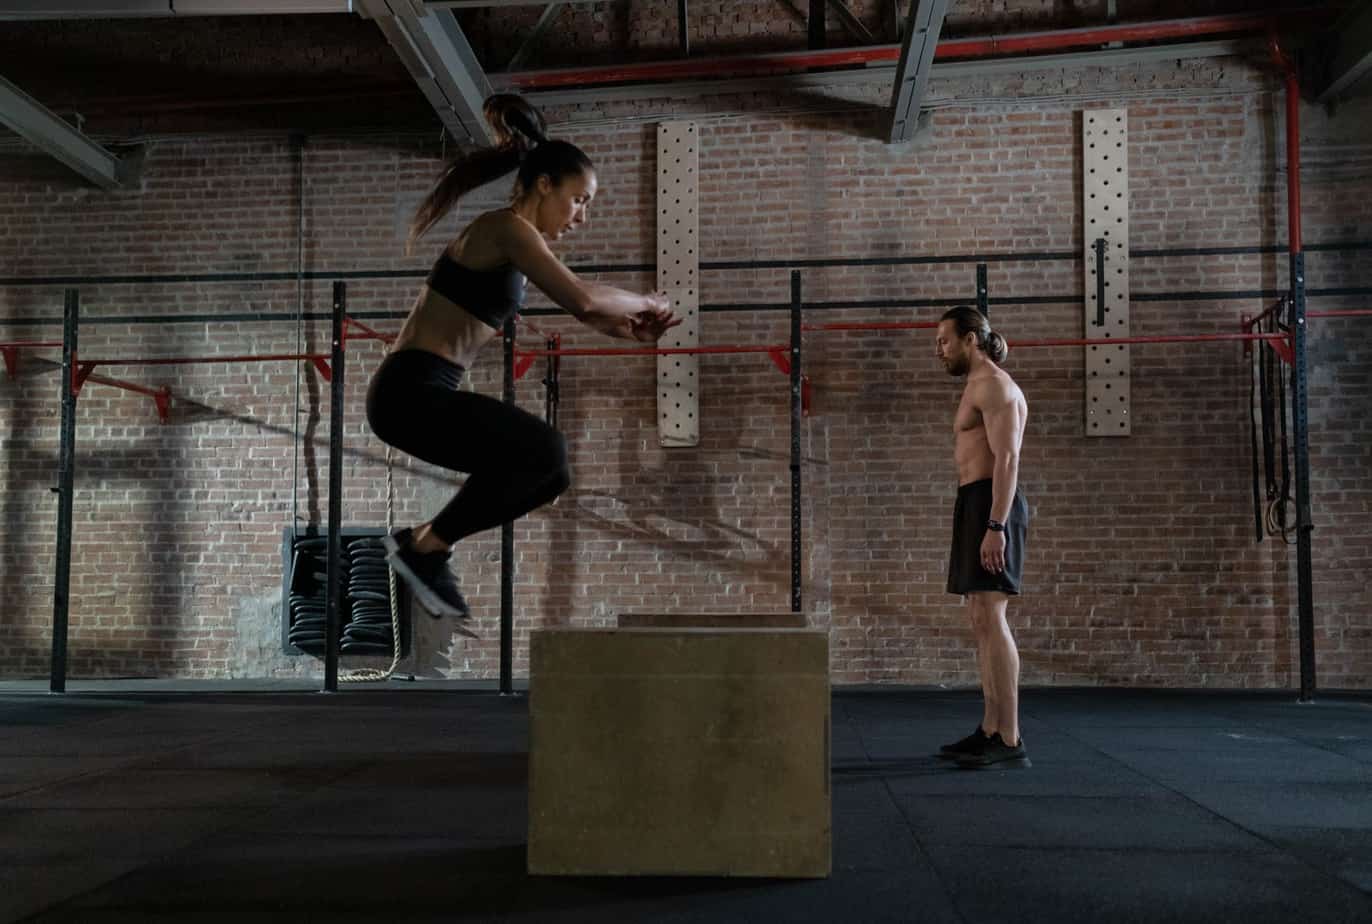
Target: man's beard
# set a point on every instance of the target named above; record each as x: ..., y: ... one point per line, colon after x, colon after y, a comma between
x: 958, y: 367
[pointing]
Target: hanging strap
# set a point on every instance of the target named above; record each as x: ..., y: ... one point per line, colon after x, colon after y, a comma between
x: 1277, y: 522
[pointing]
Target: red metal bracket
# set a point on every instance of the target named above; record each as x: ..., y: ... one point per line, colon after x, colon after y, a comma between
x: 1284, y: 350
x: 522, y: 363
x: 367, y: 332
x: 321, y: 365
x: 524, y: 359
x: 162, y: 399
x: 11, y: 352
x: 79, y: 374
x: 161, y: 396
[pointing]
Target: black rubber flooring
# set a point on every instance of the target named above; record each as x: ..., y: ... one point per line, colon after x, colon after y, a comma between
x: 127, y: 802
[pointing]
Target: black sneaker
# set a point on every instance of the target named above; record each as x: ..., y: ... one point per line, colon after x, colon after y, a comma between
x: 427, y: 574
x: 995, y: 754
x: 969, y: 745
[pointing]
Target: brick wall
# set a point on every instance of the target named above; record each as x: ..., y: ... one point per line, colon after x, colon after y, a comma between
x: 1143, y: 569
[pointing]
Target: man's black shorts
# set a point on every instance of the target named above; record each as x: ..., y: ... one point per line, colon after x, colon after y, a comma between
x: 970, y: 513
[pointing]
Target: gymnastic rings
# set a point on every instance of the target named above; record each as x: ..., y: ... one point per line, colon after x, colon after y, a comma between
x: 1278, y: 523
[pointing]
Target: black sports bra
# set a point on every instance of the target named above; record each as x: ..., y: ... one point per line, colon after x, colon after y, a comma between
x: 492, y: 296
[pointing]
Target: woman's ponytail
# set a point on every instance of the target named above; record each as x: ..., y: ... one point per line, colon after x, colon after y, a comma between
x: 518, y: 129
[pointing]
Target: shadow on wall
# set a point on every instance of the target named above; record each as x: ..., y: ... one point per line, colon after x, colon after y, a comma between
x: 152, y: 466
x: 20, y: 476
x: 94, y: 575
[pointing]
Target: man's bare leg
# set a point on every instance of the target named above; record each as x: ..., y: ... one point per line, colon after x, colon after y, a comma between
x: 989, y: 714
x: 999, y: 661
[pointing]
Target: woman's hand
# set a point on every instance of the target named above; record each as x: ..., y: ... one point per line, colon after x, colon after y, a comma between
x: 651, y: 323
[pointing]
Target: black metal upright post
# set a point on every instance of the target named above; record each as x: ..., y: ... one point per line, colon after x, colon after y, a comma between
x: 507, y: 565
x: 815, y: 24
x: 551, y: 394
x: 66, y: 485
x: 333, y: 593
x: 682, y: 28
x: 795, y: 440
x: 1300, y: 426
x: 983, y: 296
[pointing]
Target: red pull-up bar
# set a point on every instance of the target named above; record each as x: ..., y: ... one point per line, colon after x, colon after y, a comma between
x: 161, y: 397
x: 11, y: 352
x: 367, y: 332
x: 83, y: 372
x: 320, y: 361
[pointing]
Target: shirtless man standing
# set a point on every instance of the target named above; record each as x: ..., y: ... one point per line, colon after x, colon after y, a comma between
x: 989, y: 523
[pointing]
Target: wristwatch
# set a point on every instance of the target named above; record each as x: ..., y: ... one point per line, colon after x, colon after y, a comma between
x: 995, y: 526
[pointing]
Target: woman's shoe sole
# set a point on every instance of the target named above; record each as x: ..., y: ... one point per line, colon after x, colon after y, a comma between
x: 426, y: 597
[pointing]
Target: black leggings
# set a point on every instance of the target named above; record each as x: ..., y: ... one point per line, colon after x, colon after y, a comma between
x: 515, y: 462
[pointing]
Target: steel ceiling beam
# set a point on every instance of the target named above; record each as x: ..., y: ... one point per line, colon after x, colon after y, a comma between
x: 916, y: 61
x: 436, y: 53
x: 44, y: 130
x: 15, y: 10
x: 478, y: 4
x: 1350, y: 59
x: 535, y: 35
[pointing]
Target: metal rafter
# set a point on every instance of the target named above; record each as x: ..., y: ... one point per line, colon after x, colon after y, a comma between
x: 1350, y: 60
x: 916, y: 61
x: 526, y: 47
x: 42, y: 128
x: 478, y: 4
x: 851, y: 22
x: 127, y: 9
x: 436, y: 53
x: 845, y: 15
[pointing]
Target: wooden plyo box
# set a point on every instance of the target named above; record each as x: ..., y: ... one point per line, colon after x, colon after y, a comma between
x: 690, y: 752
x: 775, y: 620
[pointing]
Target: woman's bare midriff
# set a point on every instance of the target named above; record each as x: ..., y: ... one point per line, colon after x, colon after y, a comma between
x: 439, y: 325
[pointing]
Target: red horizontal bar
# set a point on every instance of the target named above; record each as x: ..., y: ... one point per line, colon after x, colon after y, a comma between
x: 1072, y: 341
x: 1063, y: 39
x: 1169, y: 338
x: 663, y: 351
x: 208, y: 360
x: 10, y: 351
x: 947, y: 49
x: 1341, y: 313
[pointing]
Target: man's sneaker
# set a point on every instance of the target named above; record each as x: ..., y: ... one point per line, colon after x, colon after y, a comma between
x: 428, y: 577
x: 969, y: 745
x: 996, y: 755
